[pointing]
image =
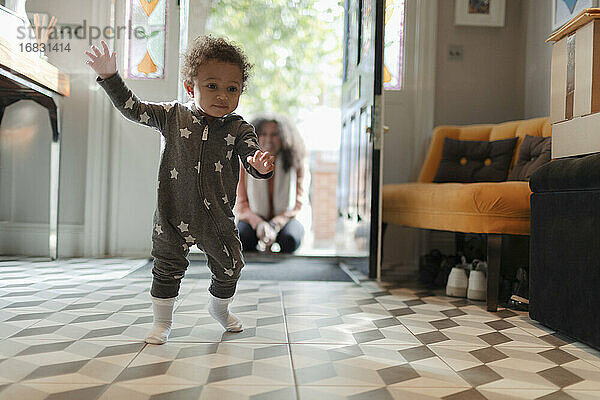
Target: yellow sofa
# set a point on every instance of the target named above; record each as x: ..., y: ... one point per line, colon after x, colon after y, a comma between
x: 492, y: 208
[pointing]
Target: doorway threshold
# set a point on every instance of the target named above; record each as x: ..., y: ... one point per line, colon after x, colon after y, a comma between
x: 351, y: 266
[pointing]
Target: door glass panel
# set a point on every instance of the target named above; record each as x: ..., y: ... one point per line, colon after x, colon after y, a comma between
x: 353, y: 169
x: 365, y: 163
x: 353, y: 43
x: 366, y: 37
x: 394, y: 44
x: 146, y: 46
x: 343, y: 178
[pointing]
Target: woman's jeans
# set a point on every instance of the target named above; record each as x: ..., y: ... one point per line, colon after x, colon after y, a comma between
x: 289, y: 238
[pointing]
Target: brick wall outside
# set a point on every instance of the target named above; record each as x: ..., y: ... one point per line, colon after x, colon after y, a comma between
x: 324, y: 177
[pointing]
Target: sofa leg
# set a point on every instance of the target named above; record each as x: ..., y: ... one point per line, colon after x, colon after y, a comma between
x: 494, y: 254
x: 383, y: 229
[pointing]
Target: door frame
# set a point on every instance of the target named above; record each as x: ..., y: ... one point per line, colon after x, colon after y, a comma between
x: 419, y: 55
x: 377, y: 123
x: 425, y: 66
x: 95, y: 224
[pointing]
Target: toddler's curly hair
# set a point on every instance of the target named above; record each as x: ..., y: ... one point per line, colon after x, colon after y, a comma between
x: 208, y: 47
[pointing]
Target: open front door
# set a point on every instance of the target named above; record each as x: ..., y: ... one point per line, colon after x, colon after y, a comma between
x: 358, y: 229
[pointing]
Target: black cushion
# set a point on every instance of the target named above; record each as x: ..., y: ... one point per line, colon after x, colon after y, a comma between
x: 567, y: 174
x: 475, y: 161
x: 534, y: 152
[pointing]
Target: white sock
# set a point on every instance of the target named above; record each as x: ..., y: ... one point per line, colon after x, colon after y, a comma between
x: 163, y: 319
x: 219, y: 309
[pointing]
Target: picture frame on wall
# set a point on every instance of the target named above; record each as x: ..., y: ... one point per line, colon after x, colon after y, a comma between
x: 564, y: 10
x: 479, y: 12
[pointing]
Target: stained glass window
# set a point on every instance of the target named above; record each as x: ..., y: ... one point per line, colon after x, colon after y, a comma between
x: 394, y: 44
x: 146, y: 45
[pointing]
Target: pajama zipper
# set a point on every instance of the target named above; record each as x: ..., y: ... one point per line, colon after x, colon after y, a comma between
x: 204, y: 139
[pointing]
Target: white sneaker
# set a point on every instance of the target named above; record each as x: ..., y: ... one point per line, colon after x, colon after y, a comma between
x: 477, y: 286
x: 457, y: 283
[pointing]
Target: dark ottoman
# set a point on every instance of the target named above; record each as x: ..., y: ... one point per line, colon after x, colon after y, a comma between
x: 564, y: 280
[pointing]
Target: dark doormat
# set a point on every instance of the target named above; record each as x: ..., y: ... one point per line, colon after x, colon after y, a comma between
x: 274, y: 268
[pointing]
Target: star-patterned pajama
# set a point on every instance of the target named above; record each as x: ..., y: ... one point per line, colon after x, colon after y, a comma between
x: 197, y: 182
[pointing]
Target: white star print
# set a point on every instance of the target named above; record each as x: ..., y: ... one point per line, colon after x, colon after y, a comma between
x: 229, y: 272
x: 129, y: 103
x: 225, y: 250
x: 206, y: 203
x: 158, y: 185
x: 218, y: 166
x: 158, y: 229
x: 144, y: 118
x: 190, y: 239
x: 185, y: 132
x: 185, y: 247
x: 195, y: 120
x: 250, y: 142
x: 230, y: 139
x: 174, y: 173
x: 224, y: 199
x: 229, y: 154
x: 167, y: 106
x: 183, y: 226
x: 198, y: 167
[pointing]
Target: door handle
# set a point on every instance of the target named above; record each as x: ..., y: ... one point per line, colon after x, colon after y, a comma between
x: 386, y: 129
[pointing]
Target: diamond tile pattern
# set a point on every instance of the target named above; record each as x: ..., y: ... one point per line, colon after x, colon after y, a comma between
x: 74, y: 329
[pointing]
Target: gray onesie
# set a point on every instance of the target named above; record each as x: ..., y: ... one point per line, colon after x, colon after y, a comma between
x: 197, y: 182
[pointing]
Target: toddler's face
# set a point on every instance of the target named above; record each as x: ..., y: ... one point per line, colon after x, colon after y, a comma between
x: 217, y: 88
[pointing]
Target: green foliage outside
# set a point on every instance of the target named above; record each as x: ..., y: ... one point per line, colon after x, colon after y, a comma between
x: 295, y: 46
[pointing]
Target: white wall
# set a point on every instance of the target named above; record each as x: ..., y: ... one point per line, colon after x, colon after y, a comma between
x: 486, y: 86
x: 538, y: 57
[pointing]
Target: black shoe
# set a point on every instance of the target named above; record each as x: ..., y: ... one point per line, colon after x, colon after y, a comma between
x: 519, y: 300
x: 505, y: 292
x: 429, y: 266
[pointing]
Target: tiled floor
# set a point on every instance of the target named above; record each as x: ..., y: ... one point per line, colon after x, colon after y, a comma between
x: 73, y: 329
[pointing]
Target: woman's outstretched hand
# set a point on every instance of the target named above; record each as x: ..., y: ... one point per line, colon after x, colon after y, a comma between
x: 263, y: 162
x: 105, y: 65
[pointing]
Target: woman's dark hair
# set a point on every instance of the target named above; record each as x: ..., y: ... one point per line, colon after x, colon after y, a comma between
x: 293, y: 150
x: 205, y: 48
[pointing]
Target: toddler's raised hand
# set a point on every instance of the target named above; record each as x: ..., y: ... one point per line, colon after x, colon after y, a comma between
x: 105, y: 65
x: 263, y: 162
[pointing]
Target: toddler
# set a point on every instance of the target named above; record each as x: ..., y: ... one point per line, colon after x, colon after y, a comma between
x: 198, y: 173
